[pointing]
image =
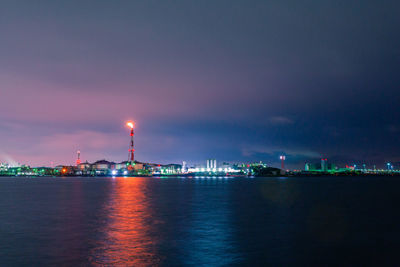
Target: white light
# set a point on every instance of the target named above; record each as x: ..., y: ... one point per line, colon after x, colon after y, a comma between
x: 114, y: 172
x: 125, y: 172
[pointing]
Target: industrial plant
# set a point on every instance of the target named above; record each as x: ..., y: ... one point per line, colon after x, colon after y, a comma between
x: 132, y: 167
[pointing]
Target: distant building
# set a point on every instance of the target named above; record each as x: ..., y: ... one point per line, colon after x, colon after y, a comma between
x: 84, y: 168
x: 122, y: 165
x: 103, y: 165
x: 324, y: 166
x: 258, y: 164
x: 184, y: 166
x: 389, y: 166
x: 307, y: 167
x: 152, y: 168
x: 138, y: 166
x: 171, y: 169
x: 65, y: 170
x: 225, y: 165
x: 211, y: 164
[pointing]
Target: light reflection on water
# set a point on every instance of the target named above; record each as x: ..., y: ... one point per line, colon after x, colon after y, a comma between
x: 126, y: 237
x: 199, y: 222
x: 211, y: 236
x: 194, y: 223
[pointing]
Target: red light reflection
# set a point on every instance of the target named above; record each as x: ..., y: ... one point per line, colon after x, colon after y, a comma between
x: 127, y: 239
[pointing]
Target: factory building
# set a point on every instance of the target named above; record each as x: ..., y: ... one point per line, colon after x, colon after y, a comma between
x: 211, y: 164
x: 324, y: 166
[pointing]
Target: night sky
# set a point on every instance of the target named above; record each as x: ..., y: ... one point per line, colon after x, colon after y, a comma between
x: 231, y: 80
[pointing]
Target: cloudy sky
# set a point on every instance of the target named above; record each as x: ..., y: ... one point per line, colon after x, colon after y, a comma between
x: 231, y: 80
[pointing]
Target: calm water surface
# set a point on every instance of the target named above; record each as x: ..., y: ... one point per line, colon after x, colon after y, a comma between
x: 199, y: 222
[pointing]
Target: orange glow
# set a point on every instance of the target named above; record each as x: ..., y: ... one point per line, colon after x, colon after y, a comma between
x: 130, y: 124
x: 127, y: 240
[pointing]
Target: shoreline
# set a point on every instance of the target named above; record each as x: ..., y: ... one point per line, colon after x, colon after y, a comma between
x: 208, y: 176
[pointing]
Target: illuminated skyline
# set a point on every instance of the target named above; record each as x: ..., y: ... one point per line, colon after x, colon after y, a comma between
x: 231, y: 80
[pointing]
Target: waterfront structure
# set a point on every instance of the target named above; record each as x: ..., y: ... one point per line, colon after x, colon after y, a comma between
x: 24, y: 170
x: 131, y: 151
x: 225, y: 165
x: 211, y: 164
x: 132, y: 167
x: 201, y: 171
x: 84, y: 168
x: 324, y: 165
x: 307, y: 167
x: 389, y: 166
x: 78, y: 160
x: 103, y: 165
x: 152, y: 168
x: 282, y: 158
x: 122, y: 165
x: 65, y: 170
x: 108, y: 168
x: 138, y: 165
x: 171, y: 169
x: 184, y: 167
